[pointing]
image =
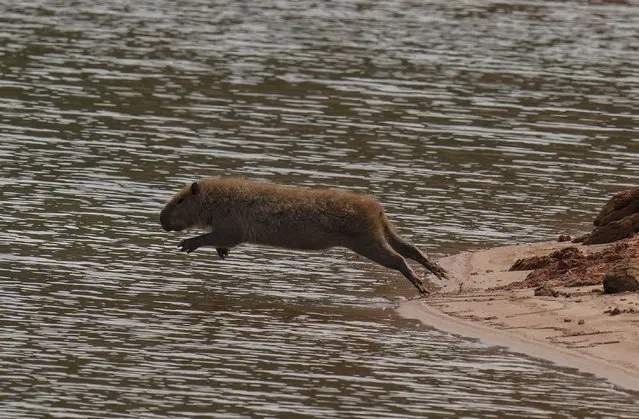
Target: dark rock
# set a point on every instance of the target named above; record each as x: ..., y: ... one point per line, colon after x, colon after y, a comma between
x: 620, y: 282
x: 620, y: 206
x: 564, y: 238
x: 614, y: 230
x: 617, y: 220
x: 580, y: 239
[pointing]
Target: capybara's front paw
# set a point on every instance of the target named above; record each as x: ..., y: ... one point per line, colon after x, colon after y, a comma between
x: 222, y: 252
x: 188, y: 245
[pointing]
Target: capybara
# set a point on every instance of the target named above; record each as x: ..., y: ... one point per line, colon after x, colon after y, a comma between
x: 238, y: 211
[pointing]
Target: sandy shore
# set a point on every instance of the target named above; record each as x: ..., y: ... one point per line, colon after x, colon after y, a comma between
x: 573, y: 330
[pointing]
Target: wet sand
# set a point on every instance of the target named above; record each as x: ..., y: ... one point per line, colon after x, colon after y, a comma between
x: 575, y: 329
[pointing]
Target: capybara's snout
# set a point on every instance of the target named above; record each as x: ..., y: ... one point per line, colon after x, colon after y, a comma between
x: 164, y: 220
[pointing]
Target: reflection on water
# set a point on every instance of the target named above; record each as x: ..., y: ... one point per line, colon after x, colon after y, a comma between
x: 475, y: 123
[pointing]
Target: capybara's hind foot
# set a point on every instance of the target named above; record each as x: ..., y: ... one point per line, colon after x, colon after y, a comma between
x: 423, y: 291
x: 437, y: 270
x: 420, y: 285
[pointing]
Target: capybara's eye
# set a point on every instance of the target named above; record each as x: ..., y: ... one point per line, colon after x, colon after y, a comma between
x: 179, y: 201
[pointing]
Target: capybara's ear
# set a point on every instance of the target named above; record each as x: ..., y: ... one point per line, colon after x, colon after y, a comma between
x: 195, y: 188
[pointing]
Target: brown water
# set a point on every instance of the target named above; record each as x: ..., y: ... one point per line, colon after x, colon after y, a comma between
x: 476, y: 123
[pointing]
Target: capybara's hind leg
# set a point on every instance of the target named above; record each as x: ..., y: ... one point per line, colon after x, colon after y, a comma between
x: 383, y: 254
x: 409, y: 250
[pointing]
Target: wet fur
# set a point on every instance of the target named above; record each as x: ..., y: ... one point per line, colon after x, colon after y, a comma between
x: 236, y: 211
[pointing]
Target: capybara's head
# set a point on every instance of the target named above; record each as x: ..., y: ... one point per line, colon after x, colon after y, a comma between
x: 184, y: 210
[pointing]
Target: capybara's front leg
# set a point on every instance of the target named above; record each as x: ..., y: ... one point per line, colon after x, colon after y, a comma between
x: 191, y: 244
x: 222, y: 239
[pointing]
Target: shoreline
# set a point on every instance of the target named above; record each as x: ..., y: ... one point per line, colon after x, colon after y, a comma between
x: 575, y: 329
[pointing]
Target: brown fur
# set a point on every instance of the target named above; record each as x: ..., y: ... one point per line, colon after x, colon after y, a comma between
x: 241, y: 211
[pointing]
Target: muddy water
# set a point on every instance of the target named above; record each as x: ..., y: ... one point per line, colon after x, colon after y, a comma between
x: 476, y: 124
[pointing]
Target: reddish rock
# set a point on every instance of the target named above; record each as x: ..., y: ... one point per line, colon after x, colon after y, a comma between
x: 572, y: 268
x: 538, y: 262
x: 566, y: 253
x: 534, y: 262
x: 546, y: 291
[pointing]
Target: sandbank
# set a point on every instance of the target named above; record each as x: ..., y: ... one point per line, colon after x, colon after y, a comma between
x: 575, y: 329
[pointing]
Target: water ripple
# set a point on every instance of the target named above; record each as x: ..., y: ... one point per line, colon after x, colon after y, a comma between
x: 475, y: 124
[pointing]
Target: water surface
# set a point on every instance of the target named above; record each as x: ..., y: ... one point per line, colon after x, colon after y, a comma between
x: 475, y: 123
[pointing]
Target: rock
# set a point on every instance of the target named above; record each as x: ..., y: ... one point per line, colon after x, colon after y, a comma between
x: 621, y: 205
x: 616, y: 311
x: 564, y: 238
x: 580, y: 239
x: 620, y: 282
x: 567, y: 255
x: 546, y: 291
x: 581, y: 321
x: 617, y: 220
x: 534, y: 262
x: 614, y: 230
